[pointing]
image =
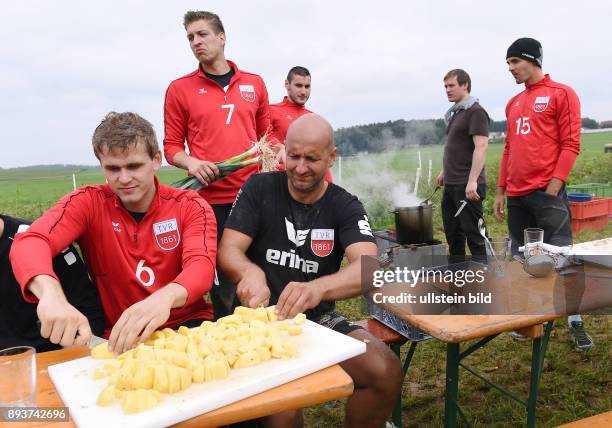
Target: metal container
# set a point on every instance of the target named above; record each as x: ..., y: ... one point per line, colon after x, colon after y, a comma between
x: 414, y: 225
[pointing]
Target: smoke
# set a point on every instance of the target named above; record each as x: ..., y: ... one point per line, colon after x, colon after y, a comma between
x: 402, y: 197
x: 379, y: 189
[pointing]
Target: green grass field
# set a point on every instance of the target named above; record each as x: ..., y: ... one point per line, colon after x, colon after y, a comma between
x: 574, y: 385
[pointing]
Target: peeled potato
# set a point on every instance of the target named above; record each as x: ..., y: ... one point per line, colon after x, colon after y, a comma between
x: 101, y: 352
x: 204, y: 350
x: 247, y: 314
x: 170, y: 361
x: 197, y: 373
x: 98, y: 373
x: 271, y: 314
x: 261, y: 314
x: 174, y: 378
x: 283, y: 325
x: 216, y: 367
x: 185, y: 378
x: 264, y: 353
x: 288, y: 351
x: 248, y: 359
x: 168, y: 333
x: 181, y: 360
x: 295, y: 330
x: 230, y: 319
x: 299, y: 319
x: 139, y: 401
x: 105, y: 398
x: 143, y: 379
x: 112, y: 366
x: 125, y: 378
x: 160, y: 378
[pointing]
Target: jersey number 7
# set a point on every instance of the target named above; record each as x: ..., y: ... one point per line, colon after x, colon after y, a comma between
x: 229, y: 113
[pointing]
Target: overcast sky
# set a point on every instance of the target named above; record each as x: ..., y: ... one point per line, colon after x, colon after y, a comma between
x: 65, y: 64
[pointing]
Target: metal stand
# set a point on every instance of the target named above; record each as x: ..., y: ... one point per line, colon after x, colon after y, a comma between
x: 453, y: 361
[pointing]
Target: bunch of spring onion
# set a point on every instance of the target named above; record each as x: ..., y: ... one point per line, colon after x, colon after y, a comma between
x: 262, y: 151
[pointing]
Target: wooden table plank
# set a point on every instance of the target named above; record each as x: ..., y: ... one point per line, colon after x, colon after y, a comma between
x: 603, y: 420
x: 328, y: 384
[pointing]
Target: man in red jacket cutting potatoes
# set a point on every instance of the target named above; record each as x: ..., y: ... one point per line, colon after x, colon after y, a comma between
x: 149, y: 248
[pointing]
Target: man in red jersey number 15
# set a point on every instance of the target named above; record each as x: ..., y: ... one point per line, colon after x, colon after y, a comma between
x: 542, y: 143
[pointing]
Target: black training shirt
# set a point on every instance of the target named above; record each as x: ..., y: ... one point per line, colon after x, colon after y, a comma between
x: 294, y: 241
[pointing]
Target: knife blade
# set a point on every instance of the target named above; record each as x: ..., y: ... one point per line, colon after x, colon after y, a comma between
x: 95, y: 341
x: 463, y: 204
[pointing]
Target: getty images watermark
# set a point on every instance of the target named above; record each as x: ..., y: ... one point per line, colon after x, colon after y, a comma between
x: 475, y: 288
x: 435, y: 277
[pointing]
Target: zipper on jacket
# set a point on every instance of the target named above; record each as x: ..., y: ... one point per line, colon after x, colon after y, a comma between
x: 135, y: 236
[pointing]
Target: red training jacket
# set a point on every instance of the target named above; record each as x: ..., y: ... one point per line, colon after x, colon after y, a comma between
x: 542, y: 137
x: 216, y: 124
x: 176, y: 241
x: 281, y: 116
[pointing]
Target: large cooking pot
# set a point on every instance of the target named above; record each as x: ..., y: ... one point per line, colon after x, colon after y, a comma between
x: 414, y: 225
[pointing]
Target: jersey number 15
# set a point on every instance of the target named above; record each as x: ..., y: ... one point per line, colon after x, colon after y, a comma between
x: 522, y: 126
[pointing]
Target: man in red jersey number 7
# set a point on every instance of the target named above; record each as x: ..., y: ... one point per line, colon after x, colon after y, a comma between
x: 150, y: 249
x: 219, y: 111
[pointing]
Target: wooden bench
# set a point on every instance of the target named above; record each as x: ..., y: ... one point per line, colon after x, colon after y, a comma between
x: 603, y: 420
x: 395, y: 341
x: 381, y: 331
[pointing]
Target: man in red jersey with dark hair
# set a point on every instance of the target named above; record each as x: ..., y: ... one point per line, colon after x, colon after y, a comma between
x: 542, y: 143
x: 149, y: 248
x: 219, y: 111
x: 290, y: 108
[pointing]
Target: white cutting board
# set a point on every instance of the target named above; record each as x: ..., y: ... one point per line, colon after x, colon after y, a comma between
x: 318, y: 347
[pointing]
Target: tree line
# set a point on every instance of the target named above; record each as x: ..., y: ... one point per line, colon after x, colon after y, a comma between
x: 399, y: 134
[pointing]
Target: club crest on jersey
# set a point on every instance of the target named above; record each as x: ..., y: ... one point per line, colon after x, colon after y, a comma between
x: 247, y: 92
x: 541, y: 103
x: 167, y: 234
x: 322, y: 241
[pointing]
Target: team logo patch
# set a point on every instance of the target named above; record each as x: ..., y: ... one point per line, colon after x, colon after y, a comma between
x: 247, y: 92
x: 167, y: 234
x: 322, y: 241
x: 541, y: 103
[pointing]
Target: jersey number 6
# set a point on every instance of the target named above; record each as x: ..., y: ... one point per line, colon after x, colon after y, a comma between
x: 140, y: 269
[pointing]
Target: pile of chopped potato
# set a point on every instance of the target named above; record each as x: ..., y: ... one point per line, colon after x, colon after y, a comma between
x: 170, y: 361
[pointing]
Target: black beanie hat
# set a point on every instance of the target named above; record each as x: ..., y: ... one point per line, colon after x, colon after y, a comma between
x: 528, y: 49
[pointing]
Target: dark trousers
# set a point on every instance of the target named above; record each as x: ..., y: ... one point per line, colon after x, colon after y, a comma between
x: 223, y: 292
x: 539, y: 209
x: 464, y: 227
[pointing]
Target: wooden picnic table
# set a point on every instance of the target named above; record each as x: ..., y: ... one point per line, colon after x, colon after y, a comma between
x: 530, y: 302
x: 328, y: 384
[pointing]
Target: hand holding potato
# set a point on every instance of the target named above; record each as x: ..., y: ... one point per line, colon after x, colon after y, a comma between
x: 138, y: 322
x: 297, y: 297
x: 252, y: 290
